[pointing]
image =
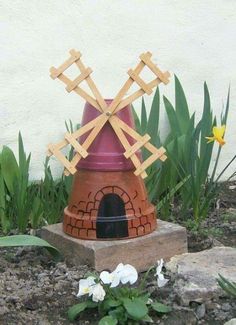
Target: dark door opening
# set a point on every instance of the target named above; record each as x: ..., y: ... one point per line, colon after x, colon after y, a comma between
x: 111, y: 219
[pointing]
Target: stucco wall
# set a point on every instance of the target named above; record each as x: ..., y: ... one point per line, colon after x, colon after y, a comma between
x: 194, y: 39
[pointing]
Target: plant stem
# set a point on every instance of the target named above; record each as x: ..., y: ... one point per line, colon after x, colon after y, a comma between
x: 224, y: 169
x: 215, y: 166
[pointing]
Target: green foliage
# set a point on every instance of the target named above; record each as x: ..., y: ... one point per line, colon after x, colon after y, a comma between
x: 26, y: 240
x: 108, y: 320
x: 123, y: 305
x: 15, y: 197
x: 160, y: 308
x: 75, y: 310
x: 185, y: 174
x: 30, y: 204
x: 228, y: 286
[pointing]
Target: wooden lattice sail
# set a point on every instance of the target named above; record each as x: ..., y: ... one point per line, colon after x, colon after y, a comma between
x: 108, y: 113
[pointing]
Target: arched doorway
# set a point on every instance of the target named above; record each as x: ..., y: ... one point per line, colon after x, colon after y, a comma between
x: 111, y: 219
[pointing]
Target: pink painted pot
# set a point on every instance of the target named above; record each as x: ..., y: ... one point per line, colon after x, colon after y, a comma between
x: 106, y: 152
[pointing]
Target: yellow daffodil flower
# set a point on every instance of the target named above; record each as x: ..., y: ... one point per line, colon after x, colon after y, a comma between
x: 218, y: 133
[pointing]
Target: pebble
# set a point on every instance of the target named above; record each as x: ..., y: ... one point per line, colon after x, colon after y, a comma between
x: 4, y: 310
x: 200, y: 311
x: 226, y: 306
x: 45, y: 288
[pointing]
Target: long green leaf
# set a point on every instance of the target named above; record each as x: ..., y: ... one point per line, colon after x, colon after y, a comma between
x: 181, y: 106
x: 227, y: 286
x: 160, y: 308
x: 75, y: 310
x: 153, y: 119
x: 136, y: 121
x: 5, y: 223
x: 27, y: 240
x: 173, y: 121
x: 10, y: 168
x: 143, y: 117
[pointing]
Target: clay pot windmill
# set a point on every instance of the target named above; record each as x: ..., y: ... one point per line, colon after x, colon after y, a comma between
x: 108, y: 198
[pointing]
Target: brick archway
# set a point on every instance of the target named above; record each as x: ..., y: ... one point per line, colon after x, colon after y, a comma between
x: 82, y: 212
x: 111, y: 219
x: 114, y: 190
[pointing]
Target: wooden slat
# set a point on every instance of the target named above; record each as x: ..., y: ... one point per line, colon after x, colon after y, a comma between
x: 154, y: 68
x: 126, y: 144
x: 126, y: 86
x: 84, y: 129
x: 72, y: 141
x: 79, y: 79
x: 101, y: 102
x: 127, y: 128
x: 128, y: 100
x: 139, y: 144
x: 55, y: 72
x: 80, y: 92
x: 136, y: 136
x: 70, y: 168
x: 149, y: 161
x: 140, y: 82
x: 89, y: 140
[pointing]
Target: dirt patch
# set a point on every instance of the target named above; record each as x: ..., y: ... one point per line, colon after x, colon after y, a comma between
x: 35, y: 290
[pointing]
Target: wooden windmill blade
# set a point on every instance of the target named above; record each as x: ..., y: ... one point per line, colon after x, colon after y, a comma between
x: 121, y: 128
x: 94, y: 126
x: 108, y: 114
x: 73, y: 85
x: 144, y: 87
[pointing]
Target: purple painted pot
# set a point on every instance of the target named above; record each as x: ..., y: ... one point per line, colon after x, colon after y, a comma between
x: 106, y: 152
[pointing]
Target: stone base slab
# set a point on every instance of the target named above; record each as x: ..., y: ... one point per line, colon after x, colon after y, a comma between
x: 142, y: 252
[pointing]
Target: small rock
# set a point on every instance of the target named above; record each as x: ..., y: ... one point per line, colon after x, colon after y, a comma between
x: 196, y: 273
x: 231, y: 322
x: 4, y: 310
x: 12, y: 299
x: 216, y: 243
x: 200, y: 311
x: 211, y: 305
x: 226, y: 306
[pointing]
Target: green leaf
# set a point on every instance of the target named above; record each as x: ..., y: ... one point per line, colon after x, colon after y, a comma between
x: 75, y: 310
x: 147, y: 319
x: 120, y: 314
x: 108, y: 320
x: 224, y: 115
x: 143, y: 117
x: 136, y: 308
x: 4, y: 221
x: 160, y: 308
x: 174, y: 124
x: 111, y: 303
x: 136, y: 121
x: 227, y: 286
x: 153, y: 119
x: 26, y: 240
x: 10, y: 169
x: 181, y: 106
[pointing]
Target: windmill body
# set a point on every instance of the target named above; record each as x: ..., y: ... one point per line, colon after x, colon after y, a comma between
x: 108, y: 199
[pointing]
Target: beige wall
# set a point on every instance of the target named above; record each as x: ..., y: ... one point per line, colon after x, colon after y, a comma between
x: 194, y: 39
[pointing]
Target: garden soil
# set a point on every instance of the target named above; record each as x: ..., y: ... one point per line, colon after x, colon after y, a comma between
x: 36, y: 290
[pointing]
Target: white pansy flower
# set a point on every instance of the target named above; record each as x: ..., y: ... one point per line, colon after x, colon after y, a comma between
x: 85, y: 286
x: 122, y: 273
x: 161, y: 281
x: 159, y: 266
x: 97, y: 292
x: 150, y: 301
x: 128, y: 274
